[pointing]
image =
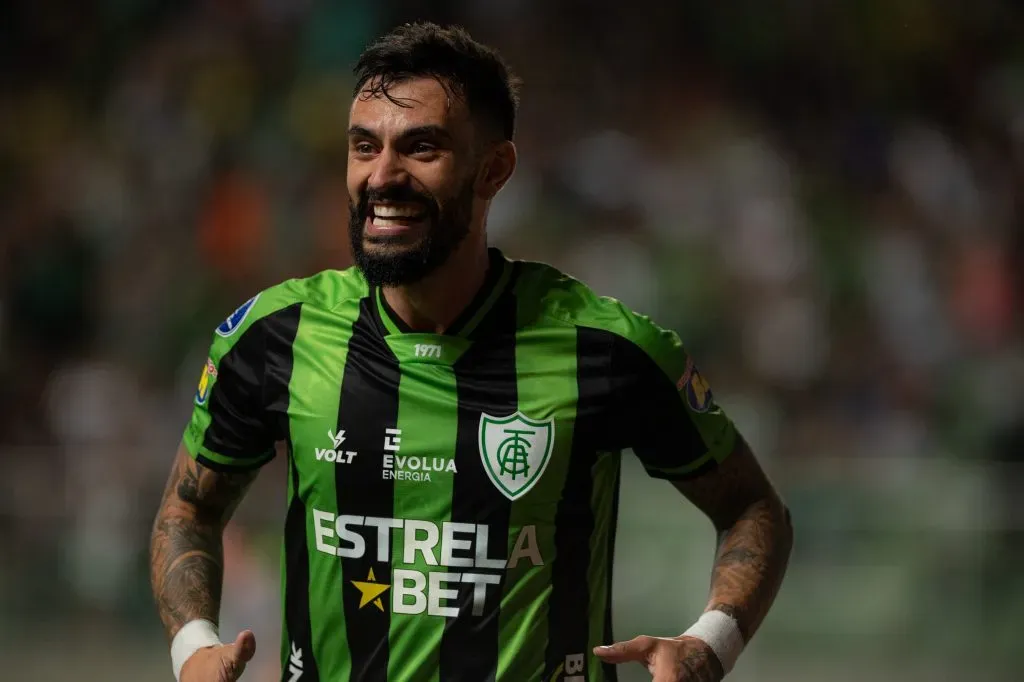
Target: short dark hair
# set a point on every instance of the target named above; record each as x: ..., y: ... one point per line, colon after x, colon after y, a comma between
x: 469, y: 69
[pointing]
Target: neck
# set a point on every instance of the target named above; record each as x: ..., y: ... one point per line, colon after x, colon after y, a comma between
x: 433, y: 303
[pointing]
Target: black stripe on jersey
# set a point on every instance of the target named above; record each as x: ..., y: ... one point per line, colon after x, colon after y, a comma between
x: 279, y: 334
x: 296, y: 593
x: 646, y: 400
x: 280, y: 330
x: 569, y: 604
x: 486, y: 382
x: 611, y: 672
x: 249, y: 401
x: 368, y: 407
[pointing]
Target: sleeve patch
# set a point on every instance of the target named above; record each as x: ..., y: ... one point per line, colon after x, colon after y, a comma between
x: 206, y: 382
x: 235, y: 319
x: 696, y: 388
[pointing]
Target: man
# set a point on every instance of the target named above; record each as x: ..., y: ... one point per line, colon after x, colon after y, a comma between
x: 453, y: 422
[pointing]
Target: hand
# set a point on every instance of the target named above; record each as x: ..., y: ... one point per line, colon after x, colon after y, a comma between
x: 668, y: 659
x: 224, y: 663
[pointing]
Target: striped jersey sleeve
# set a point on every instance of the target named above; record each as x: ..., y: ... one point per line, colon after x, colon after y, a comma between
x: 235, y: 418
x: 664, y: 406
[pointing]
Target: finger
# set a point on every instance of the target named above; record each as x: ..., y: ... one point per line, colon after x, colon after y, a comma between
x: 635, y: 649
x: 244, y: 647
x: 234, y: 656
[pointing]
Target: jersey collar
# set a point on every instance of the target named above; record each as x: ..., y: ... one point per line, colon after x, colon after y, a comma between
x: 499, y: 275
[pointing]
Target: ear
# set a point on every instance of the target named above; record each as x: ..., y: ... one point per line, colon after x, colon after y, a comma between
x: 497, y: 168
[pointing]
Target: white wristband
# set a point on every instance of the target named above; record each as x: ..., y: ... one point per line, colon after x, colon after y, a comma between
x: 721, y: 632
x: 193, y: 636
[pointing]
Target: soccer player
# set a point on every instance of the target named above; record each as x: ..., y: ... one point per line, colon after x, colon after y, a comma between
x: 452, y: 422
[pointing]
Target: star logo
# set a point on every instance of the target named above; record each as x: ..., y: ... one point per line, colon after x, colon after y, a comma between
x: 371, y: 590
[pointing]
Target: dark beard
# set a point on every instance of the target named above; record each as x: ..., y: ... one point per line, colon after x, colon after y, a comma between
x: 447, y: 226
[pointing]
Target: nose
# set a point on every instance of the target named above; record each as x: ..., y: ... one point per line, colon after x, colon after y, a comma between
x: 387, y: 170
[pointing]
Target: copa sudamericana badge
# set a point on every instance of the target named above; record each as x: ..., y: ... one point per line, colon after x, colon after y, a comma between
x: 235, y: 319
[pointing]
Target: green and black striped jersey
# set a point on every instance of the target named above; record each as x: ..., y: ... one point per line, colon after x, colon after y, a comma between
x: 452, y: 497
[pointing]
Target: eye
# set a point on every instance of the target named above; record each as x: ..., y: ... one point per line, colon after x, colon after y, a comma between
x: 423, y: 148
x: 363, y: 148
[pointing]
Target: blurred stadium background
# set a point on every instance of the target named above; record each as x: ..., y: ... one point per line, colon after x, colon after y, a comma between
x: 825, y: 199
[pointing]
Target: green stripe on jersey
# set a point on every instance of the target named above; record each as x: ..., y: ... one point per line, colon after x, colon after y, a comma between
x: 209, y: 454
x: 546, y: 384
x: 428, y: 418
x: 319, y: 367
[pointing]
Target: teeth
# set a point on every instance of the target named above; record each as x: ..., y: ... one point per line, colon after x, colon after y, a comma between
x: 396, y: 211
x: 386, y: 222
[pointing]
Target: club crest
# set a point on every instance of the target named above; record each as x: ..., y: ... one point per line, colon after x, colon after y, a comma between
x: 515, y: 450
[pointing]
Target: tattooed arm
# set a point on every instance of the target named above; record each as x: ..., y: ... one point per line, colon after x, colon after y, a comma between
x: 186, y: 549
x: 755, y: 536
x: 661, y: 406
x: 754, y: 540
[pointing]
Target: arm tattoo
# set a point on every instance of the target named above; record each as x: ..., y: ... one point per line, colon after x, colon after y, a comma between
x: 752, y: 558
x: 701, y: 665
x: 186, y: 550
x: 755, y: 536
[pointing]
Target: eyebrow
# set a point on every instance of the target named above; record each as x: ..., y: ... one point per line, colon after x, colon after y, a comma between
x: 418, y: 131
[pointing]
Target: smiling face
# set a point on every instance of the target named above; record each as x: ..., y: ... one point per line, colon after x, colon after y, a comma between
x: 412, y: 177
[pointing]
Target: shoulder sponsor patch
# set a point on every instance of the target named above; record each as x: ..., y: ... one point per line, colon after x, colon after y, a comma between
x: 235, y: 319
x: 696, y: 389
x: 206, y: 382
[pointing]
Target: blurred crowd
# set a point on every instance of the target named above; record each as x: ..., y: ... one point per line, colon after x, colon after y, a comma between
x: 826, y: 202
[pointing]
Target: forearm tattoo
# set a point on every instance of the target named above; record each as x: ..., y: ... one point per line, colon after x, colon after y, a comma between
x: 750, y: 564
x: 186, y: 550
x: 755, y: 536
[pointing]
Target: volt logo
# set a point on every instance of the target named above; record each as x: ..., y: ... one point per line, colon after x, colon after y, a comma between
x: 335, y: 453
